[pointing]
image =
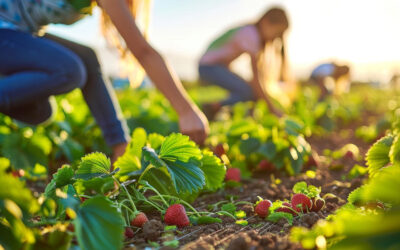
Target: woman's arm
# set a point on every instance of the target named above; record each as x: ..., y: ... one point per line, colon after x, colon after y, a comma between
x: 258, y: 89
x: 191, y: 120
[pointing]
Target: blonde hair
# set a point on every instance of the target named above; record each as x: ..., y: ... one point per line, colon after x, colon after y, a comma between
x: 272, y: 62
x: 140, y: 10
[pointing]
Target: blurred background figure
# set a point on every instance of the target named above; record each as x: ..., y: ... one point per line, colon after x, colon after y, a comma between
x: 395, y: 81
x: 263, y: 41
x: 331, y: 78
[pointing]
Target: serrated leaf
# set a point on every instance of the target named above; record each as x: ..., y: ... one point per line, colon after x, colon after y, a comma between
x: 62, y: 177
x: 213, y: 169
x: 229, y: 207
x: 395, y: 151
x: 300, y: 187
x: 155, y: 140
x: 93, y: 165
x: 186, y: 176
x: 151, y: 156
x: 97, y: 185
x: 179, y: 147
x: 127, y: 163
x: 99, y: 225
x: 378, y: 154
x: 275, y: 217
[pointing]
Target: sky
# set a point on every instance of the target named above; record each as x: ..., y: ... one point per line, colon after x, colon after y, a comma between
x: 362, y: 33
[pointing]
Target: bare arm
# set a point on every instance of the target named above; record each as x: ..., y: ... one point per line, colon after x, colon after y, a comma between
x: 192, y: 120
x: 258, y: 89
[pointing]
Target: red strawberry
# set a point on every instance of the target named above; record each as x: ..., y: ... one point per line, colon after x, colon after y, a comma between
x: 176, y: 215
x: 219, y: 150
x: 349, y: 155
x: 286, y: 208
x: 232, y: 174
x: 266, y: 165
x: 71, y: 227
x: 18, y: 173
x: 128, y: 232
x: 312, y: 162
x: 83, y: 199
x: 139, y: 220
x: 262, y: 208
x: 301, y: 203
x: 317, y: 204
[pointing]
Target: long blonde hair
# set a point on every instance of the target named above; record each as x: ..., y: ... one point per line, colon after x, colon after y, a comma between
x: 272, y: 61
x: 140, y: 10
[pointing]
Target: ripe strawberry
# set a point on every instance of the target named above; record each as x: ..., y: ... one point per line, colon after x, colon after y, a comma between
x: 71, y: 227
x: 139, y: 220
x: 219, y: 150
x: 128, y: 232
x: 262, y: 208
x: 286, y: 208
x: 266, y: 165
x: 232, y: 174
x: 301, y: 203
x: 312, y: 162
x: 349, y: 155
x: 18, y: 173
x: 317, y: 204
x: 176, y: 215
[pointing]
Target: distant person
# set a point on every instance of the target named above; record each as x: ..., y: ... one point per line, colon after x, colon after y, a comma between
x: 331, y: 78
x: 395, y: 82
x: 34, y: 67
x: 252, y: 39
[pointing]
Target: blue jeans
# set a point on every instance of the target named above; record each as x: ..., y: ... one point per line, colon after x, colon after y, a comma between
x: 35, y: 68
x: 239, y: 89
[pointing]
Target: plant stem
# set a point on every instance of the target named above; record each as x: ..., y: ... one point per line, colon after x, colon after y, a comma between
x: 127, y: 193
x: 227, y: 214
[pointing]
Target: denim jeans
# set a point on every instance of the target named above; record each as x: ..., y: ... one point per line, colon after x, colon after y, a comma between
x: 35, y: 68
x: 239, y: 89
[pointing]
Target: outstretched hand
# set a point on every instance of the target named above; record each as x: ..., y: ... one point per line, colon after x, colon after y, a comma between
x: 195, y: 125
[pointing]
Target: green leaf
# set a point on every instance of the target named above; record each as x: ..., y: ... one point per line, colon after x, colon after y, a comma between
x: 99, y: 225
x: 242, y: 222
x: 300, y: 187
x: 275, y: 217
x: 93, y: 165
x: 13, y: 189
x: 127, y: 163
x: 395, y: 151
x: 248, y: 146
x: 97, y: 185
x: 179, y: 147
x: 151, y: 156
x: 268, y: 150
x: 62, y: 177
x: 207, y: 220
x: 384, y: 186
x: 139, y: 137
x: 229, y: 207
x: 155, y: 140
x: 378, y: 154
x: 186, y: 176
x: 213, y: 169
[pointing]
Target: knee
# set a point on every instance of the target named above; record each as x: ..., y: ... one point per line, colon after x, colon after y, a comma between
x: 73, y: 73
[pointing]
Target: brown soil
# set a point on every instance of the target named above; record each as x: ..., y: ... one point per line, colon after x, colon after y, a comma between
x: 262, y: 234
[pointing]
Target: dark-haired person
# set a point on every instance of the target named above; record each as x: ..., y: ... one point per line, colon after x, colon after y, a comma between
x: 253, y: 39
x: 331, y: 78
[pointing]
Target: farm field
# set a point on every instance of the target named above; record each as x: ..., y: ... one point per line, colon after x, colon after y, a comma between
x: 324, y: 176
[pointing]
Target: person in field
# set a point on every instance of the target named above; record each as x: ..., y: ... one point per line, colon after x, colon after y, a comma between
x: 255, y: 40
x: 331, y: 78
x: 34, y: 67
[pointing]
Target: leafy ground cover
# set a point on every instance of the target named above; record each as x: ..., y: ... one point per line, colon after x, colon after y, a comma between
x: 323, y: 176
